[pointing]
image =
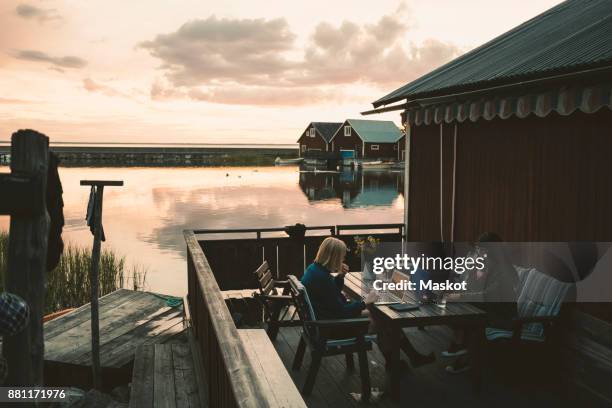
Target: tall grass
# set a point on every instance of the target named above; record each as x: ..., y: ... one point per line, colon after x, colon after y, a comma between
x: 68, y: 285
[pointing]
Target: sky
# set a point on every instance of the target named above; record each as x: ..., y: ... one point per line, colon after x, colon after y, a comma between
x: 186, y: 71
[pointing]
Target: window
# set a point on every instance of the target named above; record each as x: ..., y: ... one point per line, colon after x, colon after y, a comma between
x: 347, y: 131
x: 303, y: 148
x: 373, y: 147
x: 311, y: 132
x: 394, y: 147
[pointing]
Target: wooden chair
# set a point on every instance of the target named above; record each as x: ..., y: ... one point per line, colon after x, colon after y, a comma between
x: 317, y: 335
x: 275, y: 298
x: 540, y: 298
x: 537, y: 326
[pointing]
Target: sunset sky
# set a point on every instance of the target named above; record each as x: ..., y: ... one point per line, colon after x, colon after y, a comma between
x: 223, y: 71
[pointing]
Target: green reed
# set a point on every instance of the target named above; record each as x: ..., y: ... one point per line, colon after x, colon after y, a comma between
x: 68, y: 285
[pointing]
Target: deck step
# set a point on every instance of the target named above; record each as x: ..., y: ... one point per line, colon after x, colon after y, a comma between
x: 164, y: 376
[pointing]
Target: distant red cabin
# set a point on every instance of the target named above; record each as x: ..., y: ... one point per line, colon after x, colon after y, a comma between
x: 317, y: 136
x: 369, y: 139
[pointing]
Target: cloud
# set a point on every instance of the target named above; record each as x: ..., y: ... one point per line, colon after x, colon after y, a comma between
x: 68, y: 61
x: 203, y: 51
x: 376, y: 54
x: 11, y: 101
x: 256, y: 61
x: 263, y: 96
x: 95, y: 87
x: 244, y: 95
x: 30, y: 12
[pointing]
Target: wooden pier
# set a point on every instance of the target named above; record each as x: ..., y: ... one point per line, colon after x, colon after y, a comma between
x: 128, y: 319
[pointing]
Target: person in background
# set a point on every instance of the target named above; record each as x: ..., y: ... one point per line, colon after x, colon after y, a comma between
x: 492, y: 289
x: 14, y: 317
x: 328, y: 301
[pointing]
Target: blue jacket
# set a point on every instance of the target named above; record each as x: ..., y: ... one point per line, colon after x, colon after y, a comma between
x: 325, y: 293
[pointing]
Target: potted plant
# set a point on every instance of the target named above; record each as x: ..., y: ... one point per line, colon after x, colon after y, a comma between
x: 366, y: 248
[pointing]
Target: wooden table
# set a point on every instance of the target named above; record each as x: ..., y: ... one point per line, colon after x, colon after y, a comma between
x: 456, y: 314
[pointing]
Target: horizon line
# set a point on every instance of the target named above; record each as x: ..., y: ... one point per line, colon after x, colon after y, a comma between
x: 165, y: 143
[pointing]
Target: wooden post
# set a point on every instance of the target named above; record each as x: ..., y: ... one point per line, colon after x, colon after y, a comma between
x: 98, y: 186
x: 95, y: 292
x: 27, y: 260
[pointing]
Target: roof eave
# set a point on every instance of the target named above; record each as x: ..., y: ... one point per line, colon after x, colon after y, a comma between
x: 589, y: 71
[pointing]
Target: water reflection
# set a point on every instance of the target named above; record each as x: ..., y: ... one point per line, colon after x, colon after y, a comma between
x: 354, y: 189
x: 145, y: 219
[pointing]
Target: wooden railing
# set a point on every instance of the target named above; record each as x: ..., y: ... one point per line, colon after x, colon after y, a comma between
x: 229, y: 376
x: 233, y: 260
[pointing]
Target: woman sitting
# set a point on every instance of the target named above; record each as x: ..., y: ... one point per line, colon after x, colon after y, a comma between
x: 328, y: 301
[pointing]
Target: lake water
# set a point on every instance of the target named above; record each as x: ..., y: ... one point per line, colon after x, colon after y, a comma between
x: 144, y: 219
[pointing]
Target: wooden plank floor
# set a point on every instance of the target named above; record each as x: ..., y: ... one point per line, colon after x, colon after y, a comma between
x: 163, y: 376
x: 128, y: 319
x: 429, y: 385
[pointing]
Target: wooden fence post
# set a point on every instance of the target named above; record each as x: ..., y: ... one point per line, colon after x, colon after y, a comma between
x: 98, y: 186
x: 27, y: 263
x: 95, y: 289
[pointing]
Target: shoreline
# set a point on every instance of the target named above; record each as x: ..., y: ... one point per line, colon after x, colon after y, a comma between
x: 129, y: 156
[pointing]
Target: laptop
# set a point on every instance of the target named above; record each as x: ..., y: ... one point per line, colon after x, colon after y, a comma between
x: 389, y: 297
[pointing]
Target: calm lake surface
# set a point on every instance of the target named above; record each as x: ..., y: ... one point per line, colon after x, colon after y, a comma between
x: 144, y: 220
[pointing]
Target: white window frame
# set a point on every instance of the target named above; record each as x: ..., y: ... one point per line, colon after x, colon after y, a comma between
x: 312, y: 132
x: 374, y: 147
x: 347, y: 131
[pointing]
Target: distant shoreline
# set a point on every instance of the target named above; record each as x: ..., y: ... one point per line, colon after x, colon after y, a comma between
x: 6, y: 143
x: 146, y: 155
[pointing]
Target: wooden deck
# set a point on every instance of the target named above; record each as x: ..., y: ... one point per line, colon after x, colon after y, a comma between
x: 164, y: 376
x: 430, y: 385
x: 128, y: 319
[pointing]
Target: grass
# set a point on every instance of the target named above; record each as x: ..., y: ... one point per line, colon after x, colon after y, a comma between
x: 68, y: 285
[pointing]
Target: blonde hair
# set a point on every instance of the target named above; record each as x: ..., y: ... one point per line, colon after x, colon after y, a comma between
x: 331, y: 254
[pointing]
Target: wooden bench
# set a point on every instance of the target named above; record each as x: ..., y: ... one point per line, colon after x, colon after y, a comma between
x: 269, y: 369
x: 164, y: 377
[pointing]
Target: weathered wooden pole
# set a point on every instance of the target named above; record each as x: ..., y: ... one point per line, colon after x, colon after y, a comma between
x: 95, y: 290
x: 27, y: 260
x: 98, y: 190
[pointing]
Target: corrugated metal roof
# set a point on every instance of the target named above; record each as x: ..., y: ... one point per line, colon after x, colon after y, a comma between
x: 570, y: 37
x: 326, y: 129
x: 376, y: 131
